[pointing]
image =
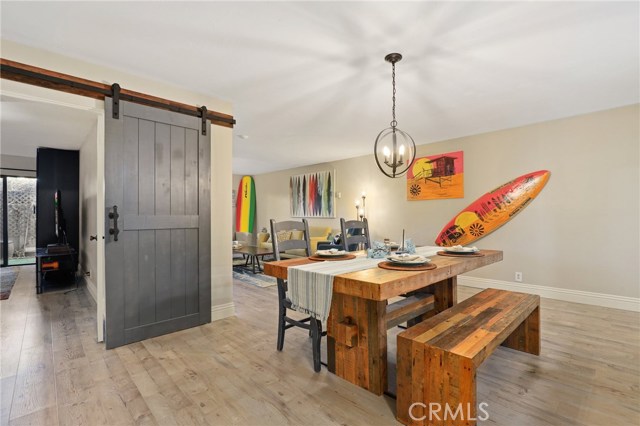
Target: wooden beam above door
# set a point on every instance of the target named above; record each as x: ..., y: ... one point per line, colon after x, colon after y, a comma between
x: 36, y: 76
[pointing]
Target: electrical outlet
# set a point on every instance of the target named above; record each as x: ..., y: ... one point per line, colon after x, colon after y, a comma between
x: 519, y: 277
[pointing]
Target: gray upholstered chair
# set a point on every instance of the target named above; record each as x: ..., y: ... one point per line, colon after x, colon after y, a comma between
x: 284, y: 322
x: 354, y: 232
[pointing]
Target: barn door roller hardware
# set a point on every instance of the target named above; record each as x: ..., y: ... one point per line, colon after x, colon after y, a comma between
x: 28, y: 74
x: 203, y: 114
x: 115, y: 96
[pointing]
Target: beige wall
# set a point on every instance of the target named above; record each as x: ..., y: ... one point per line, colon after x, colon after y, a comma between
x: 581, y: 233
x: 222, y: 302
x: 221, y: 264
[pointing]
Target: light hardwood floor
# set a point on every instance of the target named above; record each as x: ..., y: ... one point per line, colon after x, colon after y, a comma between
x: 228, y: 372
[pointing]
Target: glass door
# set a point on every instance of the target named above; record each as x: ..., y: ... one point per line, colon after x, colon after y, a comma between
x: 19, y: 233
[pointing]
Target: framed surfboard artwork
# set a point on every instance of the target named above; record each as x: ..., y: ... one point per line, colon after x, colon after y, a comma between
x: 436, y: 177
x: 493, y: 209
x: 312, y: 195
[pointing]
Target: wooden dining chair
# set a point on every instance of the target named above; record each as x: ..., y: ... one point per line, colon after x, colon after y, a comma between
x: 354, y: 232
x: 284, y: 322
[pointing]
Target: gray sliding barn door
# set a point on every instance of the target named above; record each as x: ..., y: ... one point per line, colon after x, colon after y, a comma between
x: 157, y: 176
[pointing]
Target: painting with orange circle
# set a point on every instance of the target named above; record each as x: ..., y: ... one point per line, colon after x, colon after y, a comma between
x: 493, y: 209
x: 436, y: 177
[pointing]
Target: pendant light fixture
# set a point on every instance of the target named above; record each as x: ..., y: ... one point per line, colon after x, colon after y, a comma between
x: 394, y: 149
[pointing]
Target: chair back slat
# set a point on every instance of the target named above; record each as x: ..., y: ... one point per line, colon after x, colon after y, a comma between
x: 349, y: 226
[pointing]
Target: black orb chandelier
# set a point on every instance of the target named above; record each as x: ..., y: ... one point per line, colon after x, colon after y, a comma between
x: 394, y: 149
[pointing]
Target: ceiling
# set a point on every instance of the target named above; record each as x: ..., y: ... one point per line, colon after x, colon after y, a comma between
x: 26, y: 125
x: 308, y: 81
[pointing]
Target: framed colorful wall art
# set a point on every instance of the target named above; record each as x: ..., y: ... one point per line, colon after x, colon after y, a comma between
x: 312, y: 194
x: 436, y: 177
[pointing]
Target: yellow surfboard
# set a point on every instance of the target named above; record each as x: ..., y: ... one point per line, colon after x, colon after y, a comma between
x: 246, y: 205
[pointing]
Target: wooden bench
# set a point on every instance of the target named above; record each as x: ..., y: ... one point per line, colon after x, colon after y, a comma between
x: 437, y: 359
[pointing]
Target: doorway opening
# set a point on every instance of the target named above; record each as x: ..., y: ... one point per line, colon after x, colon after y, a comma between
x: 33, y: 118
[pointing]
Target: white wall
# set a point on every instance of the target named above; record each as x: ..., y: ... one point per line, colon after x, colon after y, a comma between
x: 88, y: 253
x: 581, y: 234
x: 15, y: 165
x: 221, y: 139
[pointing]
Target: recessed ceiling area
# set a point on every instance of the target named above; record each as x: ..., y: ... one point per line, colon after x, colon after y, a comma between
x: 26, y: 125
x: 308, y: 80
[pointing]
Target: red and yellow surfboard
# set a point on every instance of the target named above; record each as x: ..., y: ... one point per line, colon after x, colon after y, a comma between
x: 493, y: 209
x: 246, y: 205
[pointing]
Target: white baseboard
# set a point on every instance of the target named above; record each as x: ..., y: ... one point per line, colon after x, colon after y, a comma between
x: 93, y: 289
x: 219, y: 312
x: 576, y: 296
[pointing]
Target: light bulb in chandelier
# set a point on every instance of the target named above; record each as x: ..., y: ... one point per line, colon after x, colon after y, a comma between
x: 395, y: 156
x: 387, y: 154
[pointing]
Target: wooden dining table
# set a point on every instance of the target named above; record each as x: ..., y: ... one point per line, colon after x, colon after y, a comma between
x: 357, y: 324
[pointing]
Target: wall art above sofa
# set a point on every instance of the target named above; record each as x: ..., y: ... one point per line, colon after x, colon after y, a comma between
x: 312, y: 194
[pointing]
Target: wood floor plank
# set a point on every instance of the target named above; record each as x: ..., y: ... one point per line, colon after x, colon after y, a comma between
x: 35, y: 382
x: 10, y: 351
x: 46, y: 416
x: 7, y: 385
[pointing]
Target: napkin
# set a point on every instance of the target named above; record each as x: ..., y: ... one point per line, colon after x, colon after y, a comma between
x: 330, y: 252
x: 378, y: 250
x: 409, y: 246
x: 406, y: 257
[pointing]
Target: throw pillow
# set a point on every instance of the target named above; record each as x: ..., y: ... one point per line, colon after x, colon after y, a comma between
x: 283, y: 235
x: 297, y: 235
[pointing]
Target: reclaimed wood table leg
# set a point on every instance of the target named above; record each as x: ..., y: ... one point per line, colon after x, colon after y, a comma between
x: 357, y: 341
x: 445, y: 293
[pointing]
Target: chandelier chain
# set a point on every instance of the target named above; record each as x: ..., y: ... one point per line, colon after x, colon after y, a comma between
x: 394, y: 123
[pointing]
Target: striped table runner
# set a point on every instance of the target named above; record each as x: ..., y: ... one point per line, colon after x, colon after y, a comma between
x: 310, y: 286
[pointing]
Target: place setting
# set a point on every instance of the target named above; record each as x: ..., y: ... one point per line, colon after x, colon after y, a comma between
x: 331, y: 255
x: 460, y: 251
x: 407, y: 262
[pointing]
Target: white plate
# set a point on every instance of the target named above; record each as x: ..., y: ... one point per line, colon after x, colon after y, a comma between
x: 330, y: 253
x: 419, y: 261
x: 460, y: 249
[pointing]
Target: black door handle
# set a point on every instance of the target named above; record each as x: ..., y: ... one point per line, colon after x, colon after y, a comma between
x: 114, y: 215
x: 93, y: 237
